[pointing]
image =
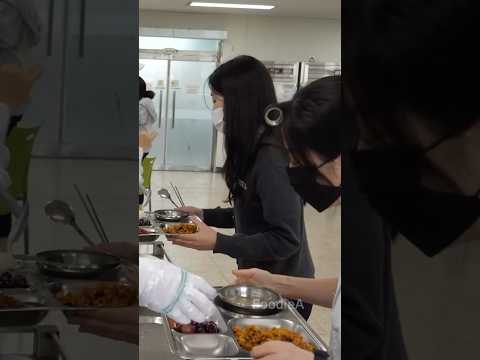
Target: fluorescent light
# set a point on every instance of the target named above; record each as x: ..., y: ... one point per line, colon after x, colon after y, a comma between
x: 231, y: 6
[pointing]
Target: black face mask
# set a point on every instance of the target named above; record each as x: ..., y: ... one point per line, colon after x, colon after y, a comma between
x: 305, y: 182
x: 430, y: 219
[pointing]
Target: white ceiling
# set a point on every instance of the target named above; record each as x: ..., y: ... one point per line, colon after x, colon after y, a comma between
x: 330, y: 9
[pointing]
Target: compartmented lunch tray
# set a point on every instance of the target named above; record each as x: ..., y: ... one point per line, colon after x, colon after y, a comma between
x: 224, y: 345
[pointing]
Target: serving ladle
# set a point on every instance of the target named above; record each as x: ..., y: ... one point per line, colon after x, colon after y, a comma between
x: 59, y: 211
x: 164, y: 194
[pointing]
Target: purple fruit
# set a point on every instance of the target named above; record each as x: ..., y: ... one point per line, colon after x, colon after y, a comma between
x: 211, y: 328
x: 200, y: 328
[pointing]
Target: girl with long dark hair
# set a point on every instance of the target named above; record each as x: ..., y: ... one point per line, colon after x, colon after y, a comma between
x: 267, y: 213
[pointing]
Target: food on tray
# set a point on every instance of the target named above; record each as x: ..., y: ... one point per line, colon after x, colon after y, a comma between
x: 143, y: 231
x: 9, y: 280
x: 250, y: 336
x: 207, y: 327
x: 144, y: 222
x: 102, y: 295
x: 184, y: 228
x: 8, y: 302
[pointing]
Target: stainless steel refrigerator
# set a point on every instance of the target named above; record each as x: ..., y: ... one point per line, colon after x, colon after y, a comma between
x: 311, y: 71
x: 285, y: 78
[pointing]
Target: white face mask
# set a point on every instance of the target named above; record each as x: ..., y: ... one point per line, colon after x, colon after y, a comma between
x: 217, y: 118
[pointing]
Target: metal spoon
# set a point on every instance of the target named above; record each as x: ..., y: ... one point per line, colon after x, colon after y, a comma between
x: 59, y: 211
x: 164, y: 194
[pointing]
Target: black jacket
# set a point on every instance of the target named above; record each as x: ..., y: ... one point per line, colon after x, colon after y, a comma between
x: 370, y: 321
x: 270, y: 229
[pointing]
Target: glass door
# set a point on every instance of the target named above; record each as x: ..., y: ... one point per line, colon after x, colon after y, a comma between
x: 189, y: 132
x: 155, y: 73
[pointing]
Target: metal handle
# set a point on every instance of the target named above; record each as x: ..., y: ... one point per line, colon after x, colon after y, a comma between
x: 83, y: 235
x: 51, y: 15
x: 160, y: 110
x: 81, y: 42
x: 173, y: 110
x: 169, y: 335
x: 173, y: 202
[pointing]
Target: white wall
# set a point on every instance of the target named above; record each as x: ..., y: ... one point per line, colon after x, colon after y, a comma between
x: 288, y: 39
x: 265, y: 37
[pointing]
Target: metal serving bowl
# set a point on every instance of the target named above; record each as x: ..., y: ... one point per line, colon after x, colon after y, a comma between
x: 75, y: 263
x: 171, y: 215
x: 248, y: 299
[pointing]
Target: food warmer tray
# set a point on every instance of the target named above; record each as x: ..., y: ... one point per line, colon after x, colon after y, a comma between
x: 224, y: 344
x: 39, y: 297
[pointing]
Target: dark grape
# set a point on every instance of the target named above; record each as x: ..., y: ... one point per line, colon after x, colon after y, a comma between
x: 194, y: 327
x: 211, y: 328
x: 8, y: 281
x: 144, y: 222
x: 200, y: 328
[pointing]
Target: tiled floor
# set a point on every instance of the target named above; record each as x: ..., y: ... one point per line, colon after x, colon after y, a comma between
x: 206, y: 190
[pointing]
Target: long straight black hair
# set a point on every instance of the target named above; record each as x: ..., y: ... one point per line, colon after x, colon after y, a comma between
x: 247, y: 89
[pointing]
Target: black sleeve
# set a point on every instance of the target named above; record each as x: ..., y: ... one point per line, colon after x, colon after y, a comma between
x: 365, y: 270
x: 282, y: 210
x: 220, y: 218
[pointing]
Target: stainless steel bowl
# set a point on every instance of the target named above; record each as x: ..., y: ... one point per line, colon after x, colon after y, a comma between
x: 252, y: 298
x: 75, y: 263
x: 171, y: 215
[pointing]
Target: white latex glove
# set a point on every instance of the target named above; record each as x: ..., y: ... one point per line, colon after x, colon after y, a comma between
x: 168, y: 289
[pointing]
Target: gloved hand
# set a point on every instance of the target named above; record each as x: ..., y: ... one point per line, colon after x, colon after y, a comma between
x: 168, y: 289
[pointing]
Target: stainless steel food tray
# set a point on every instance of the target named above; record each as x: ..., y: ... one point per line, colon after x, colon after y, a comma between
x: 159, y: 225
x: 34, y: 308
x: 224, y: 345
x: 146, y: 238
x: 41, y: 287
x: 75, y: 287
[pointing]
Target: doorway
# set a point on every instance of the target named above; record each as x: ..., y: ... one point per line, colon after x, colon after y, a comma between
x: 177, y: 71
